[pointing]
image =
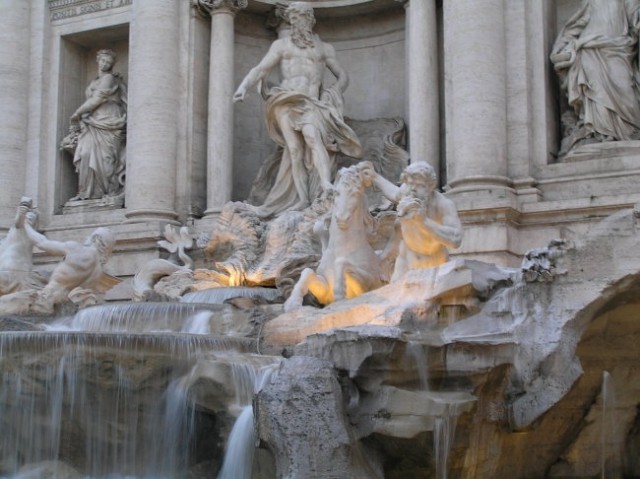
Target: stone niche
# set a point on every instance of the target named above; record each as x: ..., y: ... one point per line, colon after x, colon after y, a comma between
x: 370, y: 46
x: 77, y: 68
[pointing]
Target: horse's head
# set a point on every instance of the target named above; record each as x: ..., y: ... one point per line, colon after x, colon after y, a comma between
x: 350, y: 200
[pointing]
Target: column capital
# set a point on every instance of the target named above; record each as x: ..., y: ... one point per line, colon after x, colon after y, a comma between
x: 211, y: 7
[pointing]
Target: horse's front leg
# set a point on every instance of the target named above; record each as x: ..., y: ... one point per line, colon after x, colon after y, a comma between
x: 309, y: 282
x: 341, y: 265
x: 320, y: 287
x: 299, y: 290
x: 352, y: 281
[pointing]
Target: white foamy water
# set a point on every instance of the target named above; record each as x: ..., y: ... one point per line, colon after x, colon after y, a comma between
x: 117, y: 404
x: 144, y: 318
x: 238, y: 459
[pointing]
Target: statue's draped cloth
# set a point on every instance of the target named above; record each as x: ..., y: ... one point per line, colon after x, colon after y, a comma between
x: 602, y: 81
x: 100, y: 154
x: 337, y: 136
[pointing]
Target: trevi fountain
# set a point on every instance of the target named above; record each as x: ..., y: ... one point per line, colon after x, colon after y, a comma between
x: 350, y: 239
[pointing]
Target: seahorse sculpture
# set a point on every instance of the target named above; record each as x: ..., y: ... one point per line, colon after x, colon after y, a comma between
x: 177, y: 241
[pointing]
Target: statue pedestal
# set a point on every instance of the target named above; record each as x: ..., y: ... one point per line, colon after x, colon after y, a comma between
x: 601, y: 150
x: 81, y: 206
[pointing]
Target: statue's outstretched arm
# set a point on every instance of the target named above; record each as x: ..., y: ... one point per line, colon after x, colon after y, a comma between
x: 21, y: 214
x: 57, y: 248
x: 260, y: 71
x: 388, y: 189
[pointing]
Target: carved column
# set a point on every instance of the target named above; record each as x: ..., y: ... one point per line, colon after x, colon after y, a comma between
x: 221, y: 88
x: 14, y: 64
x: 475, y: 88
x: 153, y: 111
x: 421, y: 77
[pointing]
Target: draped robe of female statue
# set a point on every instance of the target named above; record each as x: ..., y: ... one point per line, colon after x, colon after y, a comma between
x: 596, y: 58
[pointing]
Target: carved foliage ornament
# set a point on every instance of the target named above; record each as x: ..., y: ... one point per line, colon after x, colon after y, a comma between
x: 209, y: 7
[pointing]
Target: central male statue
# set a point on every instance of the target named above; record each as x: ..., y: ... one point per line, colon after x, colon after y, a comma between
x: 304, y: 118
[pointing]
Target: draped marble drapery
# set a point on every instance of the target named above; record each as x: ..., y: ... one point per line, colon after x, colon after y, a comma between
x: 595, y: 57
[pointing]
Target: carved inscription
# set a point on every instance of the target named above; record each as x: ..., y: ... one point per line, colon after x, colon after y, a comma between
x: 61, y: 9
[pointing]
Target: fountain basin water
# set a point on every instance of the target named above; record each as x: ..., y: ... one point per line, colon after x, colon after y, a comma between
x: 145, y: 318
x: 113, y: 404
x: 222, y: 294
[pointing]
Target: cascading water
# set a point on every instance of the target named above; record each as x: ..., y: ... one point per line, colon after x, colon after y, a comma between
x: 248, y: 380
x: 415, y: 356
x: 443, y: 433
x: 110, y: 404
x: 450, y: 406
x: 238, y: 462
x: 220, y: 295
x: 145, y: 318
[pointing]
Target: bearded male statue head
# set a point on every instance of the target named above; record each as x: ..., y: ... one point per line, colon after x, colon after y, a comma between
x: 300, y: 16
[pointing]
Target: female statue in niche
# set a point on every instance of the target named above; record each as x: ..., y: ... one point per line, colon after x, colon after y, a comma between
x: 98, y: 132
x: 595, y: 56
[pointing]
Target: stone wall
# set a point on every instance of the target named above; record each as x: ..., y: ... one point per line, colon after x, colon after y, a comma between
x: 525, y: 196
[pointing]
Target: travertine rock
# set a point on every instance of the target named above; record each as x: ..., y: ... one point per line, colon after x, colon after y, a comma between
x: 401, y: 303
x: 546, y: 319
x: 301, y: 419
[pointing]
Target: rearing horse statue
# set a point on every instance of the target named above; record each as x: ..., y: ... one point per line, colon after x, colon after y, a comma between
x: 349, y: 266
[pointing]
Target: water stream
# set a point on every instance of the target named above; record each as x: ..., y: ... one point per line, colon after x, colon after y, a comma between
x: 443, y: 434
x: 145, y: 318
x: 110, y: 393
x: 220, y: 295
x: 444, y: 424
x: 238, y: 460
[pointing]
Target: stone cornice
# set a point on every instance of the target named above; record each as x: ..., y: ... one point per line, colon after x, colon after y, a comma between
x: 211, y: 7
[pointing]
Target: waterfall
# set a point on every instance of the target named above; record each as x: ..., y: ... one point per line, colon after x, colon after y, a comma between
x: 198, y: 323
x: 238, y: 459
x: 443, y: 433
x: 220, y: 295
x: 144, y: 318
x: 415, y: 355
x: 107, y: 404
x: 447, y: 407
